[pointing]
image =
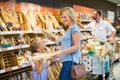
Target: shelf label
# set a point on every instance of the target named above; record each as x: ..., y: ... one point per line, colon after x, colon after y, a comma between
x: 24, y: 65
x: 24, y: 46
x: 10, y: 48
x: 38, y: 31
x: 2, y: 71
x: 15, y: 67
x: 51, y: 30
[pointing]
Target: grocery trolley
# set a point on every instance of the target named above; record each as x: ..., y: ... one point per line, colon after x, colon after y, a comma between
x: 111, y: 61
x: 104, y: 62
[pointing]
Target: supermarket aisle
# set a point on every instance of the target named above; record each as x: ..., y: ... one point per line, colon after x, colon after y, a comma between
x: 116, y: 71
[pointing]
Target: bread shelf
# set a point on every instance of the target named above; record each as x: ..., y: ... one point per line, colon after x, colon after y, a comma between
x: 86, y: 34
x: 8, y: 72
x: 27, y: 32
x: 10, y: 33
x: 16, y: 36
x: 22, y: 47
x: 55, y: 31
x: 14, y: 48
x: 18, y: 32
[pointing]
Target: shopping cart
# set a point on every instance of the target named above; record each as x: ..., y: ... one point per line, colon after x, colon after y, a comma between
x: 111, y: 61
x: 105, y: 63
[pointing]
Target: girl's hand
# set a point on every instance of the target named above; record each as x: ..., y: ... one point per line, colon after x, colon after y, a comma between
x: 40, y: 61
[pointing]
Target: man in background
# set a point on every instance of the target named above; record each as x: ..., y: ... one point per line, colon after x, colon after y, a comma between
x: 100, y: 29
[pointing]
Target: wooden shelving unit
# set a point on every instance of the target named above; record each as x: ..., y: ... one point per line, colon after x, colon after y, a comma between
x: 8, y: 57
x: 9, y: 72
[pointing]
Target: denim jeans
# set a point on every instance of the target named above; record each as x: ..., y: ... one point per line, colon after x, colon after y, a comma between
x: 65, y: 73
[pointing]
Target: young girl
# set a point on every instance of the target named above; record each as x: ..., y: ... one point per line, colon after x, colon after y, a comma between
x: 40, y: 71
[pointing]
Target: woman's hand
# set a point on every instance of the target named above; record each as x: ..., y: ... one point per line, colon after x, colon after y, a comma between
x: 57, y: 54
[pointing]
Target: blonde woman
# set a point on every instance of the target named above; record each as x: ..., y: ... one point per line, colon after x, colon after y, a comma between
x: 70, y: 44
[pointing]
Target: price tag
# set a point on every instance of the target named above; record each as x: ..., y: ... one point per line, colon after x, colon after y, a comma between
x: 38, y: 31
x: 5, y: 32
x: 9, y: 32
x: 2, y: 71
x: 19, y: 32
x: 29, y: 31
x: 24, y: 65
x: 51, y: 30
x: 24, y: 46
x: 13, y: 32
x: 10, y: 48
x: 14, y: 68
x: 23, y: 32
x: 35, y: 31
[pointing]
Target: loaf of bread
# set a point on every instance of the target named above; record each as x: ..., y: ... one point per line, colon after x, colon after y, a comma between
x: 55, y: 22
x: 42, y: 56
x: 49, y: 33
x: 2, y: 25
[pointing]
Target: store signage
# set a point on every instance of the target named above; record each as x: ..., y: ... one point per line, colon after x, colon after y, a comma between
x: 111, y: 16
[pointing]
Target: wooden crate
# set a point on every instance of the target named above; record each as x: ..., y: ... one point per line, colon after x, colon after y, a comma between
x: 9, y: 60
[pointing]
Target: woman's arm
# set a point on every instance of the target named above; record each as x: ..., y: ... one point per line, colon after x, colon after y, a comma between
x: 76, y: 46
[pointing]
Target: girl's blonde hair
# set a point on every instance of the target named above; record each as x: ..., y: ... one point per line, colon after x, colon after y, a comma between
x: 70, y: 13
x: 35, y: 44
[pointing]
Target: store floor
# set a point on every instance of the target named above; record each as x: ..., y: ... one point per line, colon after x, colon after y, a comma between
x: 116, y: 70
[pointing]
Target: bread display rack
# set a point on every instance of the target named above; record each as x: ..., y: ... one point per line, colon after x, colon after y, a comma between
x: 17, y: 29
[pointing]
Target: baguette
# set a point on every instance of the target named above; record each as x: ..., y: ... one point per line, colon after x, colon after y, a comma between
x: 43, y: 56
x: 49, y: 33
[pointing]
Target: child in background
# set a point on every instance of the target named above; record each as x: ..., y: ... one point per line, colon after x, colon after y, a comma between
x: 40, y: 70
